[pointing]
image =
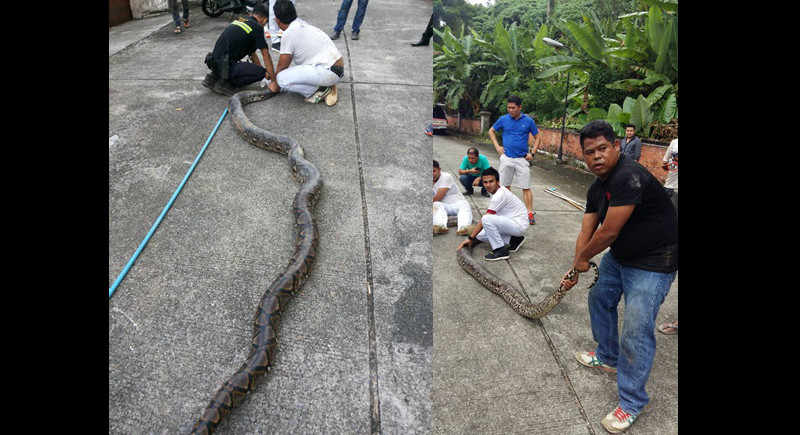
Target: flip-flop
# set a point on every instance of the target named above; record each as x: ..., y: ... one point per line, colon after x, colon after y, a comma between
x: 663, y: 328
x: 177, y: 30
x: 186, y: 23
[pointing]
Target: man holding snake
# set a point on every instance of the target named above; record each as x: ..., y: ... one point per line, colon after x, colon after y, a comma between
x: 640, y: 226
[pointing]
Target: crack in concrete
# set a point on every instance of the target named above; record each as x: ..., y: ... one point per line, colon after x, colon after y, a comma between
x: 549, y: 341
x: 375, y: 412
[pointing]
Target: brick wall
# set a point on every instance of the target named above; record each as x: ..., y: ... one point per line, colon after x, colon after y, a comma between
x: 650, y: 159
x: 471, y: 126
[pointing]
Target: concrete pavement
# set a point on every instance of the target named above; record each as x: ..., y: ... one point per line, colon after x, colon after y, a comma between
x: 497, y: 372
x: 355, y: 345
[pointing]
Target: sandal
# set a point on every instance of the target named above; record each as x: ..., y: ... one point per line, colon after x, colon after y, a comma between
x: 177, y: 29
x: 186, y: 22
x: 664, y: 328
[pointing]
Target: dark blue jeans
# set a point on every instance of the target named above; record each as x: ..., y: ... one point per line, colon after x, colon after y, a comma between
x: 632, y: 350
x: 467, y: 180
x: 345, y: 9
x: 245, y: 73
x: 173, y: 7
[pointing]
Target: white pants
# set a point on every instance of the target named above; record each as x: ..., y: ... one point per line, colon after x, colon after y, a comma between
x: 461, y: 209
x: 306, y: 79
x: 514, y: 168
x: 497, y: 230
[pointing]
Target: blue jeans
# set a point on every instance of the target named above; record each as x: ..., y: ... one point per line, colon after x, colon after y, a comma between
x: 173, y: 6
x: 345, y: 9
x: 644, y: 292
x: 467, y: 180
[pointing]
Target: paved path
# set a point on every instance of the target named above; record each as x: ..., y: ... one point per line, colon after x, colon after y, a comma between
x: 355, y: 345
x: 496, y: 372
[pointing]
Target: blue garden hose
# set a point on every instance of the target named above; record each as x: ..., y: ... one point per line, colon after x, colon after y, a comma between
x: 164, y: 212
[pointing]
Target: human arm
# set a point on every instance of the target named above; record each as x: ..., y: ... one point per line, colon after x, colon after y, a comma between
x: 284, y: 60
x: 440, y: 193
x: 471, y: 237
x: 254, y: 58
x: 536, y: 139
x: 268, y: 64
x: 493, y: 137
x: 464, y: 169
x: 637, y: 149
x: 592, y: 241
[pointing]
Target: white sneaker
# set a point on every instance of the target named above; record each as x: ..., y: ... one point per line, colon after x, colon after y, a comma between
x: 618, y: 420
x: 318, y: 96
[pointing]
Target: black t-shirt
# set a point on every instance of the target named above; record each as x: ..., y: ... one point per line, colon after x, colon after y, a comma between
x: 649, y: 239
x: 240, y: 39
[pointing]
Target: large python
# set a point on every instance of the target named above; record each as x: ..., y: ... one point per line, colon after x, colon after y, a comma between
x: 508, y: 292
x: 264, y: 342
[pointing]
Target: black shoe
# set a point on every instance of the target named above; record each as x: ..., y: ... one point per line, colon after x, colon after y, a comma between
x: 354, y: 36
x: 485, y: 193
x: 277, y: 47
x: 470, y: 192
x: 498, y: 254
x: 210, y: 81
x: 224, y: 87
x: 515, y: 243
x: 421, y: 42
x: 335, y: 35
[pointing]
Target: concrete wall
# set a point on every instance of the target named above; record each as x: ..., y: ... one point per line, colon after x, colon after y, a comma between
x: 472, y: 126
x: 650, y: 159
x: 143, y: 8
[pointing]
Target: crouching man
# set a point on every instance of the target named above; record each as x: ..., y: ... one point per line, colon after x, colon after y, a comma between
x: 504, y: 223
x: 448, y: 201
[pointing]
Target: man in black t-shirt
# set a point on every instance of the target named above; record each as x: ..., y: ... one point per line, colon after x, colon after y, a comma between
x: 240, y: 39
x: 640, y: 226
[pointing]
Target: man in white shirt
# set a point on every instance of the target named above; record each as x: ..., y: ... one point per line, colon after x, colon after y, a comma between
x: 448, y: 201
x: 318, y: 63
x: 670, y: 164
x: 504, y: 223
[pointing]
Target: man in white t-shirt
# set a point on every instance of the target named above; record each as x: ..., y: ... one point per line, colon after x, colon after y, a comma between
x: 448, y: 201
x: 318, y: 63
x: 670, y: 164
x: 504, y: 223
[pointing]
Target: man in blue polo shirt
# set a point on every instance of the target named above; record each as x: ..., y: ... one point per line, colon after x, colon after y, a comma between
x: 518, y: 132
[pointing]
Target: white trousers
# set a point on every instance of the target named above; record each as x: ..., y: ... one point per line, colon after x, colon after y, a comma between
x: 306, y: 79
x: 460, y: 209
x: 497, y: 230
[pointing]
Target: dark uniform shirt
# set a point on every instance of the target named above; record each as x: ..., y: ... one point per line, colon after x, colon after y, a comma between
x: 238, y: 42
x: 649, y: 239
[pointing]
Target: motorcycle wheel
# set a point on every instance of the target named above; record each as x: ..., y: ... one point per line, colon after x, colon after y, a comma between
x: 211, y: 8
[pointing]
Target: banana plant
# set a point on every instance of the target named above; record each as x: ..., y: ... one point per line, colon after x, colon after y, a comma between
x: 458, y: 72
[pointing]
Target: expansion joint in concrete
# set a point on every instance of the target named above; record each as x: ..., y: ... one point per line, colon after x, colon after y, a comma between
x: 550, y: 345
x: 375, y: 408
x: 559, y: 363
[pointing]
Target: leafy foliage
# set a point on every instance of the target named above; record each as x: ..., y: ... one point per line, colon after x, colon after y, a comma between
x: 621, y: 58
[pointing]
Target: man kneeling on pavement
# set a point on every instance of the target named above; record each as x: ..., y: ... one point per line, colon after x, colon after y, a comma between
x: 504, y: 223
x: 240, y: 39
x: 448, y: 201
x: 309, y: 62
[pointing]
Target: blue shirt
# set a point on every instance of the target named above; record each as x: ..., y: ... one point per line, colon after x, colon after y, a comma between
x: 515, y: 133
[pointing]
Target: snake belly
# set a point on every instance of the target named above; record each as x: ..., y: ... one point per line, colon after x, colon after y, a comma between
x: 264, y: 343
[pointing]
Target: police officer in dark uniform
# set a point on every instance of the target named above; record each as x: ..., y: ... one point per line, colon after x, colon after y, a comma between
x: 240, y: 39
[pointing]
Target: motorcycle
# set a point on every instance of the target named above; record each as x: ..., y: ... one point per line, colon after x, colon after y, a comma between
x: 215, y: 8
